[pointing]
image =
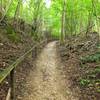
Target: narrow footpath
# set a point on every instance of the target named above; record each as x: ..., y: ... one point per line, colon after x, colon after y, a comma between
x: 47, y: 81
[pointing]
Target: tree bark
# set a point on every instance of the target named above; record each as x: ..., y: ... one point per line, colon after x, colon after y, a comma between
x: 63, y: 22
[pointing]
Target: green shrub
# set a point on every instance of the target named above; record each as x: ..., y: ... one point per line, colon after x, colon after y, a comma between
x: 91, y: 58
x: 12, y: 34
x: 84, y: 82
x: 97, y: 70
x: 94, y: 72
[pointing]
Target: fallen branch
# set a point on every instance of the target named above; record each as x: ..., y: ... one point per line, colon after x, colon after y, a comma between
x: 8, y: 95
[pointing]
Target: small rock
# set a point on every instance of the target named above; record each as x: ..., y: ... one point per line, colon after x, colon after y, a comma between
x: 19, y: 98
x: 1, y: 44
x: 6, y: 82
x: 4, y: 64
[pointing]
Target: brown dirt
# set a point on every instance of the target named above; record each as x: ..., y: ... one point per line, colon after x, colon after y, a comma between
x: 49, y: 77
x: 70, y: 54
x: 47, y: 81
x: 9, y: 52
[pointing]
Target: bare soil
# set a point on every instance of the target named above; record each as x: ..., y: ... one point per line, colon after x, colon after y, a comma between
x: 47, y: 81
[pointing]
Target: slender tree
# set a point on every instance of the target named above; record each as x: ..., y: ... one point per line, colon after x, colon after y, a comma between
x: 63, y: 21
x: 5, y: 13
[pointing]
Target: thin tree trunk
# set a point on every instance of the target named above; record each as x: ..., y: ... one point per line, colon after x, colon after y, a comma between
x: 90, y: 21
x: 17, y: 10
x: 16, y: 15
x: 63, y: 22
x: 6, y: 11
x: 95, y: 12
x: 1, y: 6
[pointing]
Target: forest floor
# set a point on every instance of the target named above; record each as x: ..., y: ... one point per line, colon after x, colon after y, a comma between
x: 60, y: 72
x: 47, y: 81
x: 10, y: 50
x: 64, y: 72
x: 81, y: 57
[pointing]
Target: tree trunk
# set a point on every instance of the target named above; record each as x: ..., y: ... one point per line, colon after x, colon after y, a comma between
x: 63, y: 22
x: 15, y: 20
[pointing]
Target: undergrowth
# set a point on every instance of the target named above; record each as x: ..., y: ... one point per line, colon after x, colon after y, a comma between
x: 92, y: 77
x: 91, y: 58
x: 12, y: 35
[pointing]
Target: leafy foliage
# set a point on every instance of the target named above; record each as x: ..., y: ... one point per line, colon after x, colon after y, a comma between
x: 12, y: 35
x: 91, y: 78
x: 79, y: 13
x: 84, y: 82
x: 91, y: 58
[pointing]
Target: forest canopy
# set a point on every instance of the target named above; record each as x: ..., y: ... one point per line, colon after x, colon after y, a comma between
x: 78, y: 14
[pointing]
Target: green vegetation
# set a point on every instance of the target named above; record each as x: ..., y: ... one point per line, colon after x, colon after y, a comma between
x: 91, y: 58
x: 62, y: 18
x: 92, y: 77
x: 55, y: 20
x: 12, y: 35
x: 84, y: 82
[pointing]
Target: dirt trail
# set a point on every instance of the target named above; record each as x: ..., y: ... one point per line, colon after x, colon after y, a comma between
x: 47, y: 81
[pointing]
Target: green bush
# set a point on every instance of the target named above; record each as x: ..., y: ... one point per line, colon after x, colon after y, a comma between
x: 84, y: 82
x: 12, y: 34
x: 91, y: 58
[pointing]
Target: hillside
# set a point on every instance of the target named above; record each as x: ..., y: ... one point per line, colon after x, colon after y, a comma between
x: 12, y: 48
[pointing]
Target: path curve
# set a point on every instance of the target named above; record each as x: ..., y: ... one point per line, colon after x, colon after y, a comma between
x: 47, y: 81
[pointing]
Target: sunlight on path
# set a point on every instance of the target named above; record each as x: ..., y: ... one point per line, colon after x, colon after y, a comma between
x: 46, y: 82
